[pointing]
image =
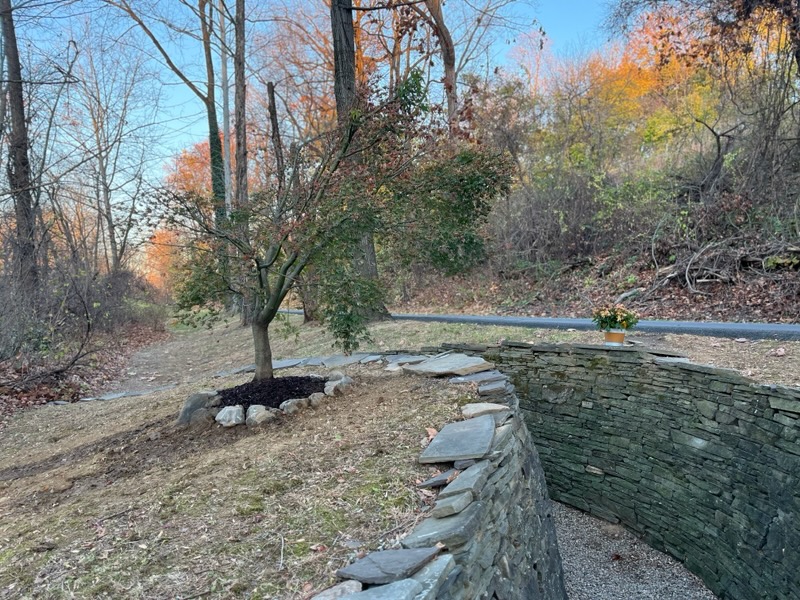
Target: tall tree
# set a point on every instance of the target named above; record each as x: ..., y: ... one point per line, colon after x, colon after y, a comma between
x: 448, y: 54
x: 19, y: 166
x: 240, y: 105
x: 226, y: 110
x: 344, y: 60
x: 111, y: 110
x: 203, y: 10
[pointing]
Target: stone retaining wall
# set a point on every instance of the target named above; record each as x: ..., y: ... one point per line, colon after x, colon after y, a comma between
x: 492, y: 519
x: 699, y: 461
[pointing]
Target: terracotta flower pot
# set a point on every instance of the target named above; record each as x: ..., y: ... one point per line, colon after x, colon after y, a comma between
x: 614, y: 337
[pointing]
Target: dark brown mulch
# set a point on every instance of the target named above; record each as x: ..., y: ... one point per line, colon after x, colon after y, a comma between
x: 271, y: 392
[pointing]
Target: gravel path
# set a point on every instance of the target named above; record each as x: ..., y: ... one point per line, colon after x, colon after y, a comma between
x: 603, y: 561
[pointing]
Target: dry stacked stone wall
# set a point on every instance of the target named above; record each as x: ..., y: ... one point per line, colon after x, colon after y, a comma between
x: 699, y: 461
x: 504, y: 541
x: 491, y: 534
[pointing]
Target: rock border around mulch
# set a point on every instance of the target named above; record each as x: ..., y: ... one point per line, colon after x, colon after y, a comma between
x: 202, y: 408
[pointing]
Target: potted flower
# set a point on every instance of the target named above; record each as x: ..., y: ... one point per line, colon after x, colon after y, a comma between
x: 614, y: 320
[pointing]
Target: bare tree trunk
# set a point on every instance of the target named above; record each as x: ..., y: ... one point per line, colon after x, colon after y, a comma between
x: 368, y: 258
x: 794, y: 25
x: 448, y: 53
x: 344, y: 58
x: 240, y: 198
x: 344, y: 61
x: 226, y: 109
x: 240, y: 106
x: 19, y: 167
x: 307, y: 287
x: 104, y: 205
x: 263, y: 350
x: 205, y: 9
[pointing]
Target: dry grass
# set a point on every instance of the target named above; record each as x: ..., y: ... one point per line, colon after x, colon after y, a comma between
x: 108, y: 500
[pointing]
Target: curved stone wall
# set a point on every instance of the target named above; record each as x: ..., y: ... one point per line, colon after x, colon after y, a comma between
x: 699, y: 461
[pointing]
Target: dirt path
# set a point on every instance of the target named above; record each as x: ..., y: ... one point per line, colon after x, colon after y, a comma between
x: 186, y: 357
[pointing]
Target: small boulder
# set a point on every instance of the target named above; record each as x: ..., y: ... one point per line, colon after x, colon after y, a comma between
x: 198, y: 400
x: 289, y: 407
x: 316, y: 399
x: 202, y: 418
x: 230, y: 416
x: 258, y: 415
x: 335, y: 376
x: 339, y: 387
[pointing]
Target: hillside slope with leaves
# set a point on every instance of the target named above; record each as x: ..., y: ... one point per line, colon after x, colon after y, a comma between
x: 574, y: 290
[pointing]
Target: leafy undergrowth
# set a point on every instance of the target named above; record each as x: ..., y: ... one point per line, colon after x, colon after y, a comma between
x: 271, y: 392
x: 108, y: 500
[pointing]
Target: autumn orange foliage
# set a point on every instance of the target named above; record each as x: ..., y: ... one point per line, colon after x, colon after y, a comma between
x: 190, y: 171
x: 162, y: 256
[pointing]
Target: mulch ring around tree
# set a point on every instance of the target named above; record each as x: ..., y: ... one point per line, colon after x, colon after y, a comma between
x: 272, y: 392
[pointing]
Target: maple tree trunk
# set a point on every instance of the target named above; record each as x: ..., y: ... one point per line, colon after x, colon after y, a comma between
x: 19, y: 167
x: 263, y: 350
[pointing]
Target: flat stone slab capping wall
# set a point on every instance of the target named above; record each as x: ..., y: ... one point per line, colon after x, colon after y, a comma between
x: 699, y: 461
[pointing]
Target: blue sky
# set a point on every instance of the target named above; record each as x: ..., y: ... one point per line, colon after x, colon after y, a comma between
x: 572, y: 25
